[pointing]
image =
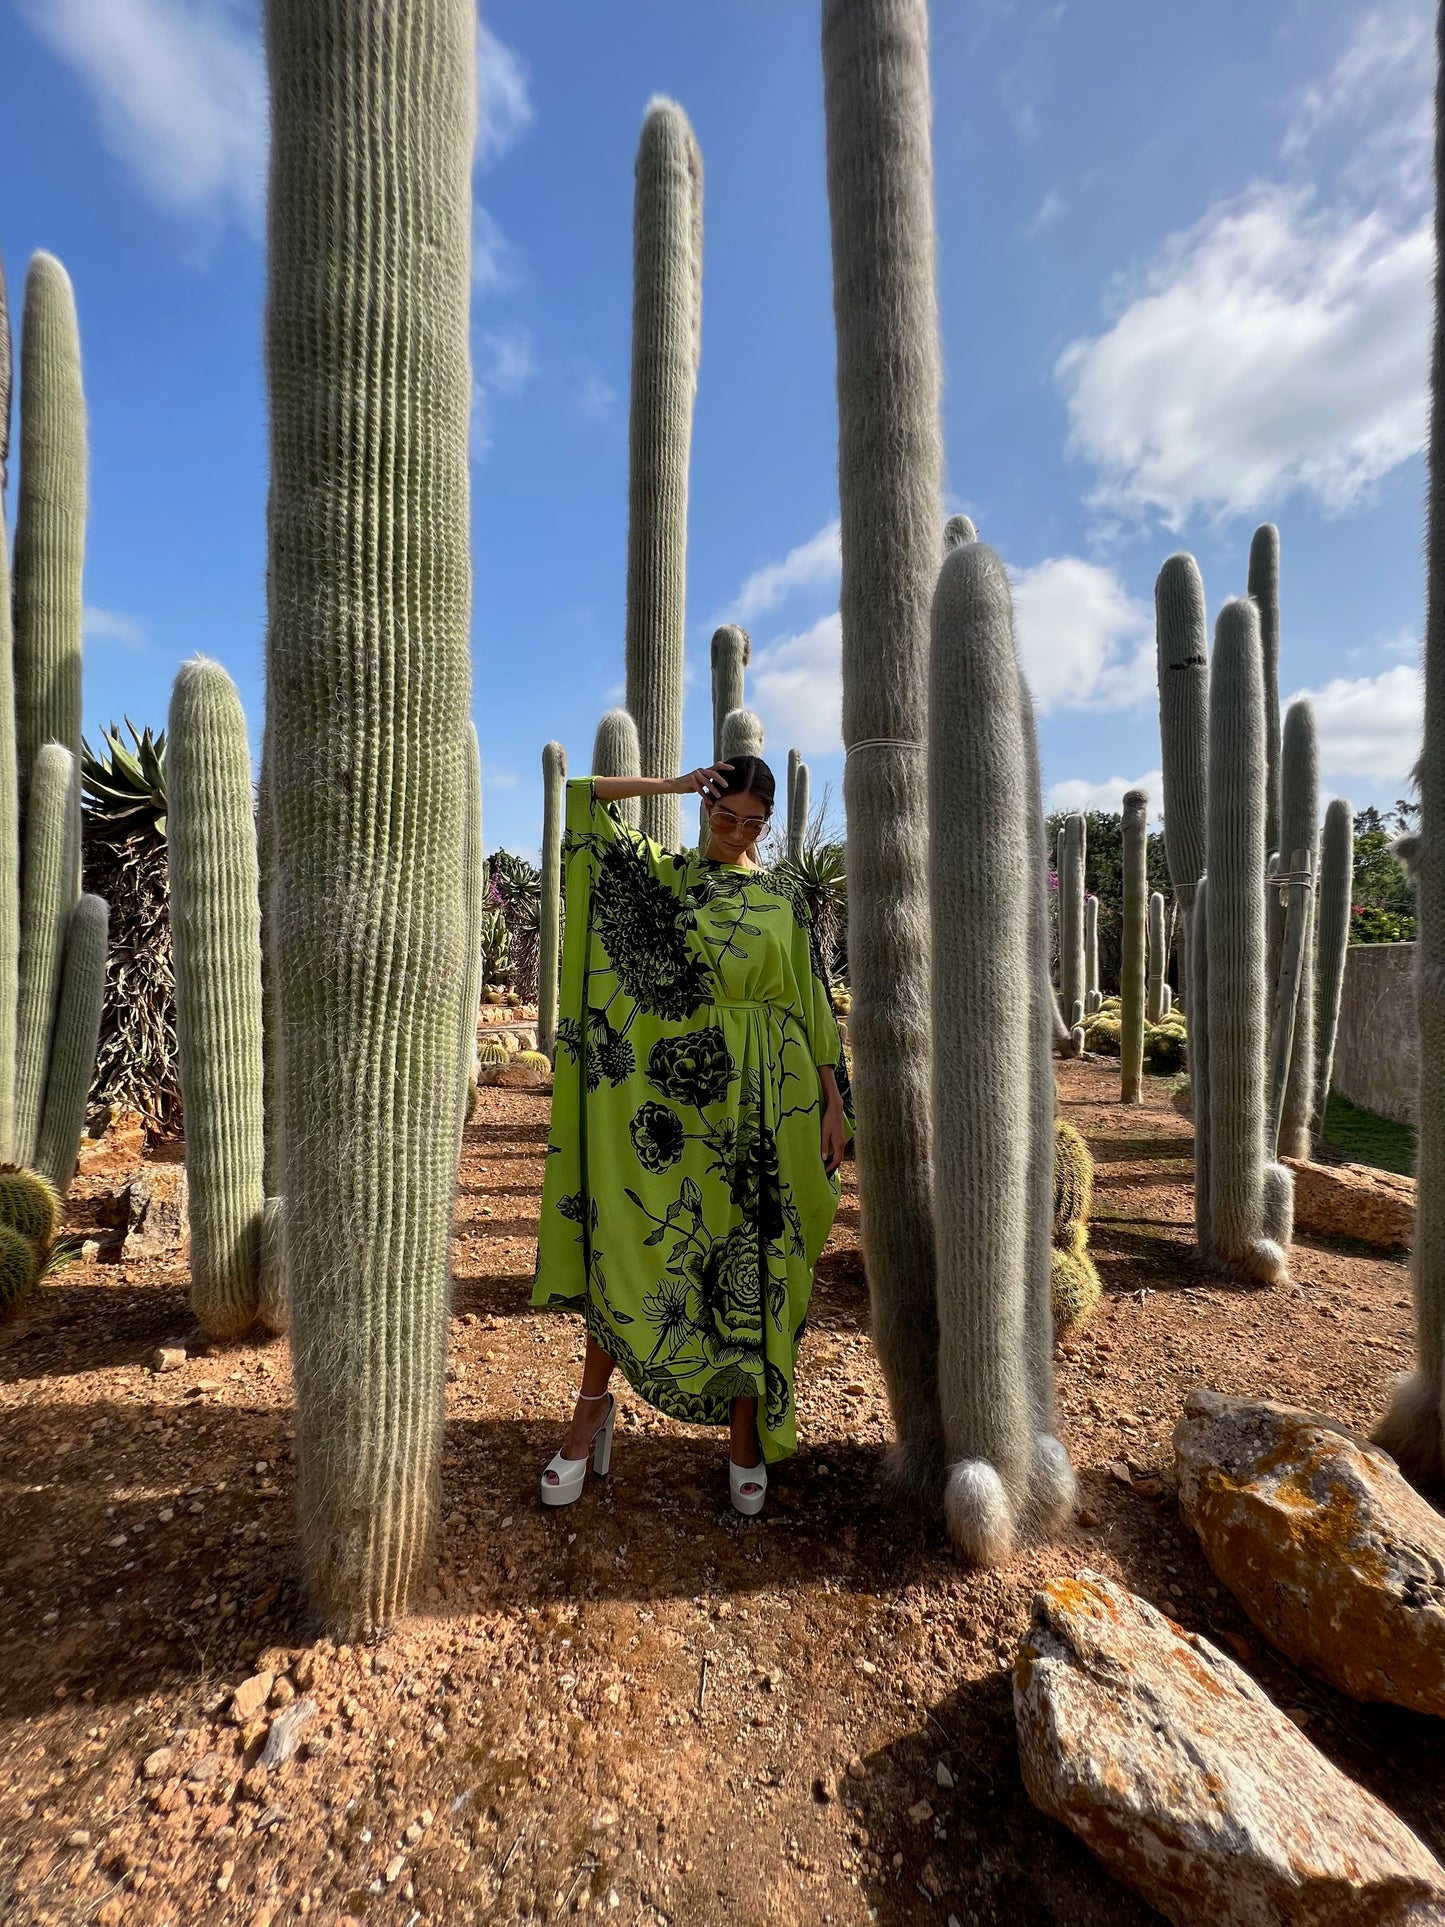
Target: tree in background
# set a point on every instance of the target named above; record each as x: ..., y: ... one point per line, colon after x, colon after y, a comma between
x: 1382, y: 899
x: 1104, y: 879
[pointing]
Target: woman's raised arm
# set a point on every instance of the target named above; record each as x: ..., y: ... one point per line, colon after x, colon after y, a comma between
x: 698, y: 782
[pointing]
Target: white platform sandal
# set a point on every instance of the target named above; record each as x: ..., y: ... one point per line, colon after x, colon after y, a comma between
x: 749, y: 1487
x: 570, y: 1475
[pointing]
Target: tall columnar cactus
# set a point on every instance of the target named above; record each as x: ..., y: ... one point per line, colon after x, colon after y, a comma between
x: 216, y: 933
x: 7, y: 376
x: 1131, y: 946
x: 615, y: 752
x: 51, y: 861
x: 549, y: 951
x: 666, y: 340
x: 1071, y: 920
x: 795, y: 757
x: 1299, y: 827
x: 957, y: 530
x: 1183, y: 666
x: 1158, y: 960
x: 1414, y: 1427
x: 1093, y: 996
x: 1264, y: 593
x: 880, y: 196
x: 993, y: 1219
x: 1285, y: 1014
x: 9, y: 842
x: 742, y: 734
x: 49, y: 526
x: 369, y: 589
x: 1236, y: 987
x: 72, y: 1051
x: 799, y: 803
x: 1199, y: 1066
x: 732, y: 651
x: 1332, y: 937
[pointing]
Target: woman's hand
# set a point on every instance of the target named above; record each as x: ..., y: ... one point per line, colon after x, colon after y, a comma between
x: 835, y: 1134
x: 707, y: 782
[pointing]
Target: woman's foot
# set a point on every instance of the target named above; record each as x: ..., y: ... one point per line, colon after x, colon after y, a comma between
x: 591, y: 1431
x: 747, y: 1475
x: 589, y: 1415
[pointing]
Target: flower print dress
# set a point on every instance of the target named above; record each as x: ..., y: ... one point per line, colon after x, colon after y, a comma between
x: 685, y: 1201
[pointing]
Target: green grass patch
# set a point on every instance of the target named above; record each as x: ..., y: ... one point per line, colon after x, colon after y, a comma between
x: 1364, y: 1137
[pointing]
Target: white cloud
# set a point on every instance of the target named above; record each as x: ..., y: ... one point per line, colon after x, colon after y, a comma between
x: 796, y: 686
x: 597, y: 398
x: 180, y: 88
x: 1051, y: 210
x: 1370, y: 726
x: 503, y: 364
x: 1276, y: 347
x: 493, y: 256
x: 1084, y: 641
x: 109, y: 625
x: 1076, y: 793
x: 504, y: 95
x: 1377, y: 98
x: 814, y: 564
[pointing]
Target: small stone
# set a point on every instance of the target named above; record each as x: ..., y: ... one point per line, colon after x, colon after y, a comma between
x: 112, y: 1913
x: 1088, y: 1518
x: 426, y: 1816
x: 285, y: 1733
x: 250, y: 1697
x: 1337, y: 1560
x: 1118, y: 1470
x: 166, y: 1514
x: 920, y: 1813
x: 89, y: 1250
x: 282, y: 1693
x: 856, y: 1768
x: 206, y: 1769
x: 79, y: 1838
x: 117, y: 1540
x: 168, y: 1358
x: 944, y: 1777
x: 395, y: 1867
x: 157, y: 1213
x: 225, y: 1876
x: 412, y: 1834
x: 867, y: 1666
x: 1190, y: 1786
x: 157, y: 1765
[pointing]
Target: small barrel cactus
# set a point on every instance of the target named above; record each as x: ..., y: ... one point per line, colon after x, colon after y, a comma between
x: 29, y: 1204
x: 1073, y: 1179
x: 19, y: 1269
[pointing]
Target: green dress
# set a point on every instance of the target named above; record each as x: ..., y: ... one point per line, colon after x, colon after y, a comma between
x: 685, y: 1201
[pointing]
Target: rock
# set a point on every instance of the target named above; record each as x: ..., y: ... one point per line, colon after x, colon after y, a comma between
x: 119, y: 1149
x: 89, y: 1250
x: 944, y: 1777
x: 168, y: 1358
x: 285, y: 1734
x: 521, y: 1077
x: 158, y: 1221
x: 206, y: 1769
x: 1191, y: 1787
x: 157, y: 1765
x: 1337, y: 1560
x: 1354, y: 1202
x: 250, y: 1696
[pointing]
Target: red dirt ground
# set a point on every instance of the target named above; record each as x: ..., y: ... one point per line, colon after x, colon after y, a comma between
x: 641, y: 1705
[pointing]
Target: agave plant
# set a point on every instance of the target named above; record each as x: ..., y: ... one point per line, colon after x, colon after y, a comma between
x: 515, y: 887
x: 124, y: 854
x: 821, y: 879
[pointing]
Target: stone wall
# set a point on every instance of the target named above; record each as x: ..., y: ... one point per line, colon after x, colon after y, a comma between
x: 1377, y: 1050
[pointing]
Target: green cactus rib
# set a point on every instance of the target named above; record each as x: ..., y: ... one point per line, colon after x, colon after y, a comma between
x: 799, y: 804
x: 9, y: 858
x: 742, y: 734
x: 1332, y: 937
x: 49, y: 525
x: 1236, y: 976
x: 1299, y: 826
x: 216, y: 933
x: 666, y: 339
x: 615, y: 752
x: 77, y: 1033
x: 986, y: 1200
x: 554, y: 785
x: 1199, y: 1061
x: 369, y: 682
x: 877, y: 112
x: 1072, y: 967
x: 1154, y: 1005
x: 1131, y: 947
x: 50, y: 868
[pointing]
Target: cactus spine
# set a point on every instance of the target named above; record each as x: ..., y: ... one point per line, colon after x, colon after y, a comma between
x: 369, y: 588
x: 1332, y: 936
x: 615, y: 752
x: 549, y: 952
x: 216, y: 930
x: 993, y: 1220
x: 49, y: 528
x: 742, y: 734
x: 1236, y: 977
x: 1299, y: 826
x: 880, y: 196
x: 1413, y: 1428
x: 798, y: 805
x: 72, y: 1051
x: 666, y: 339
x: 1154, y: 1005
x: 1071, y: 920
x: 1131, y: 946
x: 1093, y: 996
x: 51, y: 862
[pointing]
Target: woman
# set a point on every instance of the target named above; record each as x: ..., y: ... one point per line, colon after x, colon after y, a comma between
x: 697, y: 1124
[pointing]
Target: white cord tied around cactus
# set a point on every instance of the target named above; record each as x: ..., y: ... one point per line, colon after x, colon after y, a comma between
x: 882, y: 742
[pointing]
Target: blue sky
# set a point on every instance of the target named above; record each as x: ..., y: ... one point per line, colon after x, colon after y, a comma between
x: 1184, y: 281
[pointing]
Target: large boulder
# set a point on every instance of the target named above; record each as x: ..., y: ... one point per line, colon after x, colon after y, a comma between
x: 1337, y: 1560
x: 1191, y: 1786
x: 1354, y: 1202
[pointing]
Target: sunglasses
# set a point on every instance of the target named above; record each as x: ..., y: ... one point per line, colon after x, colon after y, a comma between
x: 725, y: 820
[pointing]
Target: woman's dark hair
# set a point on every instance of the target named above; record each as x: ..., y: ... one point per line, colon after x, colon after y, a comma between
x: 749, y: 776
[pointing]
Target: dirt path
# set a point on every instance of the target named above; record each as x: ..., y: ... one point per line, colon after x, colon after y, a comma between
x: 639, y: 1706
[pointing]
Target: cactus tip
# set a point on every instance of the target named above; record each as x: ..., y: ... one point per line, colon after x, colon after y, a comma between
x: 980, y: 1518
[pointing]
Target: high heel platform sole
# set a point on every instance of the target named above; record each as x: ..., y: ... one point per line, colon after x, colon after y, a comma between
x: 572, y: 1473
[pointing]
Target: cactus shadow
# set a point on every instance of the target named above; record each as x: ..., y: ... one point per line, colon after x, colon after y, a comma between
x: 77, y: 1323
x: 1132, y: 1150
